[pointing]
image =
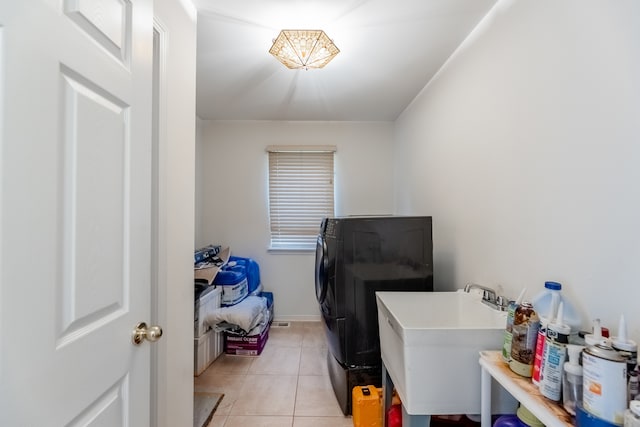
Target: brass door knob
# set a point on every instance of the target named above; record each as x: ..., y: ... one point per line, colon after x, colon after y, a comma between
x: 143, y: 332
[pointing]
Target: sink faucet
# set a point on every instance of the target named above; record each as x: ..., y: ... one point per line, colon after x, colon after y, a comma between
x: 489, y: 296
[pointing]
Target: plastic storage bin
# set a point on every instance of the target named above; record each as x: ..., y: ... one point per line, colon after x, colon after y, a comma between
x: 206, y: 349
x: 233, y: 281
x: 209, y: 301
x: 252, y: 270
x: 269, y: 297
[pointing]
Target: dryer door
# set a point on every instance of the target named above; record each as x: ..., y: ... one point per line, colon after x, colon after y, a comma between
x: 322, y: 270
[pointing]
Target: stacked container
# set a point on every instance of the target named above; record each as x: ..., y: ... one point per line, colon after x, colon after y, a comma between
x: 207, y: 343
x: 233, y: 280
x: 252, y: 270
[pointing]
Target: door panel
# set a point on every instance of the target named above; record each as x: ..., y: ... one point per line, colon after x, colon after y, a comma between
x: 95, y: 152
x: 107, y: 410
x: 106, y: 22
x: 75, y: 198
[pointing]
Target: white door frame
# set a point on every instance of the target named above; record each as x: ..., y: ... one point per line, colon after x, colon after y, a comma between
x: 175, y: 23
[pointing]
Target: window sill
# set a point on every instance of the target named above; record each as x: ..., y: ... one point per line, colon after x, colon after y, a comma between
x: 292, y: 250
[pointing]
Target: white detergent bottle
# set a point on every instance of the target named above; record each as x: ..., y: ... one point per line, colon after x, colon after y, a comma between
x: 548, y: 300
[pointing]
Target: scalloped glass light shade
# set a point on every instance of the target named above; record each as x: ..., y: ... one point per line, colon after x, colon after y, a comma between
x: 303, y: 49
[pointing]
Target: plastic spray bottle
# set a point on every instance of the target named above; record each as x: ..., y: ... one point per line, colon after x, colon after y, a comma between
x: 555, y: 350
x: 508, y: 333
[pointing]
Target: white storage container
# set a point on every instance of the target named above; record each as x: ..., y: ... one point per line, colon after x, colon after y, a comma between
x: 208, y: 302
x: 206, y: 349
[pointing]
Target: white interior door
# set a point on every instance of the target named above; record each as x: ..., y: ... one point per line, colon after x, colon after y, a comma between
x: 75, y: 199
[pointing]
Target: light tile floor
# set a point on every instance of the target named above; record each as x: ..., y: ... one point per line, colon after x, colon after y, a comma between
x: 286, y: 386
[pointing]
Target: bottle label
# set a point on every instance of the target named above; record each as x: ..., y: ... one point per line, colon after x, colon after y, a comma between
x: 506, y: 347
x: 537, y: 360
x: 553, y: 362
x: 523, y: 343
x: 604, y: 393
x: 508, y: 335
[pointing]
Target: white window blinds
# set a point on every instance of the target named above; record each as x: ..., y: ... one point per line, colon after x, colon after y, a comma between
x: 300, y: 194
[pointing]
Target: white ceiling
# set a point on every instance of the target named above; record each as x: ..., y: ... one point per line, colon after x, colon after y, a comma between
x: 389, y: 50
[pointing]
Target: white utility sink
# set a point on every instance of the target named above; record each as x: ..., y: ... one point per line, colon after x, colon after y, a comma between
x: 430, y: 344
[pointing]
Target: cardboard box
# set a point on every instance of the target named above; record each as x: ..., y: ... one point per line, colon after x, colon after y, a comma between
x: 250, y: 345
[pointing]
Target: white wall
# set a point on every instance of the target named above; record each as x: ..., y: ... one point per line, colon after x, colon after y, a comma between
x: 525, y: 148
x: 235, y: 185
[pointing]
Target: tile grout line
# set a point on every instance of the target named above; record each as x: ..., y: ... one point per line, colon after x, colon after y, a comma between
x: 295, y: 400
x: 308, y: 341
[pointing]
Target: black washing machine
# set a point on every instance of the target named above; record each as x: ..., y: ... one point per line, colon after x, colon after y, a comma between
x: 355, y: 257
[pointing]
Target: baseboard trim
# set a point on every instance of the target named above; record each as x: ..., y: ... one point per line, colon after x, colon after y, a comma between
x: 294, y: 318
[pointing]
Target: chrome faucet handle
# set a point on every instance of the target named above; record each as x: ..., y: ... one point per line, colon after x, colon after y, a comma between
x: 489, y: 295
x: 502, y: 303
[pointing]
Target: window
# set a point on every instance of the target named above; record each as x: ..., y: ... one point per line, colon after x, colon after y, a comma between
x: 300, y: 194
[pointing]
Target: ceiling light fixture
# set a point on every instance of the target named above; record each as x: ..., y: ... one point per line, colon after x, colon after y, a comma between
x: 303, y: 49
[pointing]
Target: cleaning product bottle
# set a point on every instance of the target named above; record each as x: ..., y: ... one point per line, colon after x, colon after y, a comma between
x: 523, y: 345
x: 508, y: 335
x: 538, y: 360
x: 548, y: 300
x: 628, y: 347
x: 555, y: 350
x: 394, y: 414
x: 633, y: 387
x: 572, y: 379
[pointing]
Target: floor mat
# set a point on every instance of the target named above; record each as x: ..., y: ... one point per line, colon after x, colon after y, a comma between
x: 204, y: 405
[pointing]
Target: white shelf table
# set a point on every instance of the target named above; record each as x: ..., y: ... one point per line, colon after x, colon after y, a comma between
x: 550, y: 413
